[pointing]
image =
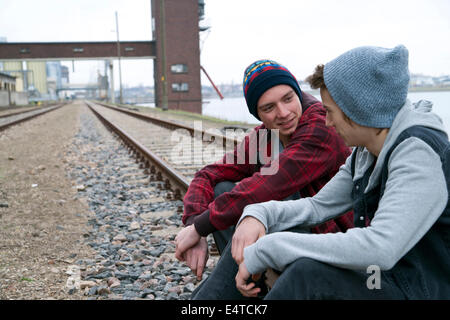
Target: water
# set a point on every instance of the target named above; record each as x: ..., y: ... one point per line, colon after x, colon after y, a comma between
x: 441, y: 104
x: 235, y: 109
x: 232, y: 109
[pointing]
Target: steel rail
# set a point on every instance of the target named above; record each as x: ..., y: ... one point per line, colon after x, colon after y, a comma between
x: 174, y: 126
x: 9, y: 124
x: 19, y: 112
x: 172, y: 178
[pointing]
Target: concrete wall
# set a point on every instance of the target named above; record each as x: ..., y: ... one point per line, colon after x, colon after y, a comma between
x: 17, y: 98
x: 4, y: 100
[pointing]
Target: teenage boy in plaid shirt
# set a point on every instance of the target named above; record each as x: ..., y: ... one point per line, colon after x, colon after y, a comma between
x: 310, y: 155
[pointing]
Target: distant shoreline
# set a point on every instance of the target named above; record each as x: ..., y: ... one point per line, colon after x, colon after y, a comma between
x: 316, y: 92
x: 429, y: 89
x: 412, y: 89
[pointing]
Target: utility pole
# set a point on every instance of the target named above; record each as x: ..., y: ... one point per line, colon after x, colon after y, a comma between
x: 163, y: 49
x: 118, y: 55
x: 111, y: 73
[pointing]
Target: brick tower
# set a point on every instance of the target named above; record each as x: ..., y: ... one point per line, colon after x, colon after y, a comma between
x: 178, y: 53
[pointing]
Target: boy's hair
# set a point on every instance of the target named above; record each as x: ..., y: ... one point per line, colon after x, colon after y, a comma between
x: 316, y: 80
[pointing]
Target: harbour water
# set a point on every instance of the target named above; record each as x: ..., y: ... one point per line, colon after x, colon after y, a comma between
x: 235, y: 109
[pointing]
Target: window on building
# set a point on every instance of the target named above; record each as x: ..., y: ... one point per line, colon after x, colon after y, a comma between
x: 180, y: 87
x: 179, y: 68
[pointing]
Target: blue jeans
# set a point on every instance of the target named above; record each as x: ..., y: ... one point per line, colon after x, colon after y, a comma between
x: 221, y: 285
x: 307, y: 279
x: 303, y: 279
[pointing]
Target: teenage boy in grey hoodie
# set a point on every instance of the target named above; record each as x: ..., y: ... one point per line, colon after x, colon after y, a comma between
x: 396, y: 181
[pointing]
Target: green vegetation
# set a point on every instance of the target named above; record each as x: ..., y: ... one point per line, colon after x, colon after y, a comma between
x: 26, y: 279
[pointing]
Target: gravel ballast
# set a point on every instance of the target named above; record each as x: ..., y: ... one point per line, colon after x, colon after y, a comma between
x: 79, y: 218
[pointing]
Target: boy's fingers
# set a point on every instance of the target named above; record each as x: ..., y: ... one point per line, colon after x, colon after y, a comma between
x: 200, y: 267
x: 249, y: 290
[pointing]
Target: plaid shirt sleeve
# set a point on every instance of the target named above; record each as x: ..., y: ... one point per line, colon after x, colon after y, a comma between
x: 312, y: 157
x: 201, y: 189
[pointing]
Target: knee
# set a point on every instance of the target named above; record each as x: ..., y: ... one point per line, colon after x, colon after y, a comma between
x: 299, y: 280
x: 302, y: 270
x: 222, y: 187
x: 305, y: 266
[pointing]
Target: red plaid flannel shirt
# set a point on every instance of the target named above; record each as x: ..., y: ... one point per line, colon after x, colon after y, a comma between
x: 311, y: 158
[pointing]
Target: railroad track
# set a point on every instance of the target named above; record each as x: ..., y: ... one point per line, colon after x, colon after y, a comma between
x: 171, y: 152
x: 8, y: 120
x: 133, y: 225
x: 134, y: 203
x: 14, y: 111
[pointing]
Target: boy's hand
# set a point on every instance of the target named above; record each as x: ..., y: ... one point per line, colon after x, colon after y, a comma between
x: 247, y: 290
x: 248, y: 231
x: 185, y: 239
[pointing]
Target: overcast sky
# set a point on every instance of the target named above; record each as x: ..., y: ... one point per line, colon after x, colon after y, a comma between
x: 298, y: 34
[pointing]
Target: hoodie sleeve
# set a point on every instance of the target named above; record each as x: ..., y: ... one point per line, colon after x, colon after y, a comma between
x: 414, y: 198
x: 331, y: 201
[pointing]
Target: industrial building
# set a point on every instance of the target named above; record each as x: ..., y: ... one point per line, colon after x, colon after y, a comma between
x: 174, y: 50
x: 8, y: 93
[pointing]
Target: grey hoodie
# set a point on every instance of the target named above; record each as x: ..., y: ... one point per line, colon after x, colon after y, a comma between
x: 414, y: 198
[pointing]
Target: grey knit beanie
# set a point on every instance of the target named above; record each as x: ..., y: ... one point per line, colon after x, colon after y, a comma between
x: 369, y: 84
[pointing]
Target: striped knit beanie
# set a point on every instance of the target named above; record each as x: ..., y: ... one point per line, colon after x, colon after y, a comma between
x: 369, y: 84
x: 262, y: 75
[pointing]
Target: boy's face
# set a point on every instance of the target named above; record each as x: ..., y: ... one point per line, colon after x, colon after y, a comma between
x: 280, y: 108
x: 352, y: 133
